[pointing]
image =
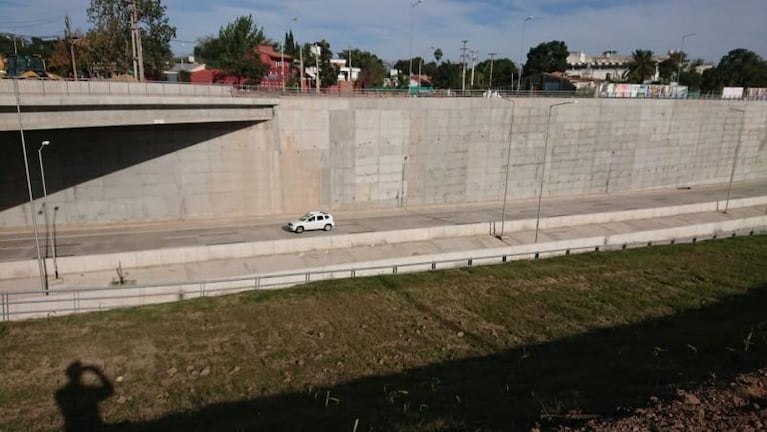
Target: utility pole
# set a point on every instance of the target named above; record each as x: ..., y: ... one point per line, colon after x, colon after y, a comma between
x: 133, y: 39
x: 71, y: 46
x: 301, y: 56
x: 473, y: 59
x: 492, y: 59
x: 463, y: 66
x: 138, y: 59
x: 317, y: 50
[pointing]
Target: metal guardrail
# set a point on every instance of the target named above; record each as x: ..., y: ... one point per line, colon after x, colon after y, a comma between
x: 113, y: 88
x: 25, y: 304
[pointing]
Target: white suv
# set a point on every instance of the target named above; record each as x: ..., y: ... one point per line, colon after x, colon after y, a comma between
x: 314, y: 220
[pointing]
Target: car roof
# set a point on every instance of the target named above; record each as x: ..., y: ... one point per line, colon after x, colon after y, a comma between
x: 319, y: 212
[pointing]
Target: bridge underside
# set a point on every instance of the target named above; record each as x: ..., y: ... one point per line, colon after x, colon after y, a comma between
x: 40, y: 112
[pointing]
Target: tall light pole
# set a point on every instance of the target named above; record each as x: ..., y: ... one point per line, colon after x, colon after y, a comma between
x: 473, y: 59
x: 45, y: 196
x: 735, y: 157
x: 301, y: 57
x: 492, y: 59
x: 521, y: 50
x: 543, y: 168
x: 317, y: 50
x: 681, y: 51
x: 40, y: 262
x: 463, y: 66
x: 412, y: 15
x: 508, y: 163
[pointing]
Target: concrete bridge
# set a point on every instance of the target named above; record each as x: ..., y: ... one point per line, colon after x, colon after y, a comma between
x: 87, y: 104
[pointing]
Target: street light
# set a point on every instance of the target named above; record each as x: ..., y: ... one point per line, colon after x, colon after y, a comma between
x: 734, y: 158
x: 412, y: 14
x: 543, y: 169
x: 521, y: 50
x: 40, y: 262
x: 508, y: 162
x: 45, y: 196
x: 681, y: 50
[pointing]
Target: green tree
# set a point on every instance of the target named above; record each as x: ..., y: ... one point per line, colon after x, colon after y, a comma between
x: 502, y: 70
x: 447, y: 75
x: 438, y: 54
x: 110, y: 34
x: 238, y: 41
x: 372, y: 69
x: 546, y: 57
x: 641, y: 67
x: 742, y: 68
x: 208, y: 51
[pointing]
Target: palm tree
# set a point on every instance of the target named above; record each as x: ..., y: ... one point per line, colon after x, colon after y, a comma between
x: 641, y: 68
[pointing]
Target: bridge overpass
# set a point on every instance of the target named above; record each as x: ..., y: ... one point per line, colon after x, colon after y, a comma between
x: 87, y: 104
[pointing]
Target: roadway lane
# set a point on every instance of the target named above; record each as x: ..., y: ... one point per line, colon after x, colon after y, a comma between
x: 72, y: 241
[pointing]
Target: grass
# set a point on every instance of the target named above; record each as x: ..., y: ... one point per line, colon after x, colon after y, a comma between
x: 492, y: 348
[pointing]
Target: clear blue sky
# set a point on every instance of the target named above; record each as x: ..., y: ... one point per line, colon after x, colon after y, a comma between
x: 383, y: 26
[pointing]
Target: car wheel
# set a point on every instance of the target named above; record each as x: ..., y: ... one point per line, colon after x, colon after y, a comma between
x: 299, y: 229
x: 328, y: 227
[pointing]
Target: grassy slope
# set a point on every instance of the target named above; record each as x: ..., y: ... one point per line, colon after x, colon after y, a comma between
x: 492, y: 347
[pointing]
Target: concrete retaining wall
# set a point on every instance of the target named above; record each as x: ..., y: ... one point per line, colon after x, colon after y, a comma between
x: 367, y: 153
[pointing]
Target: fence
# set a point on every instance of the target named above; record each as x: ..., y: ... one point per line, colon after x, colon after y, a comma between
x: 162, y: 88
x: 23, y: 305
x: 115, y: 88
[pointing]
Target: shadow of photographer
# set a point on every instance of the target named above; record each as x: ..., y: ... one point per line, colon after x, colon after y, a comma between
x: 79, y: 402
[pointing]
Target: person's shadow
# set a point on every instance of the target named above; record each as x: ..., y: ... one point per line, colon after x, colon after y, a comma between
x: 79, y: 403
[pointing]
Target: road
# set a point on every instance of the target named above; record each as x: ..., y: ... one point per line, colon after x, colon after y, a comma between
x: 78, y: 241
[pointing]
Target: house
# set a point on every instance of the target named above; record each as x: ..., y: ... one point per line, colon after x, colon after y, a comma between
x: 279, y: 65
x: 610, y: 66
x: 548, y: 82
x: 178, y: 69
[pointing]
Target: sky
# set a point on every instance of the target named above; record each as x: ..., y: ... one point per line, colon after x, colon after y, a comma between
x: 387, y: 27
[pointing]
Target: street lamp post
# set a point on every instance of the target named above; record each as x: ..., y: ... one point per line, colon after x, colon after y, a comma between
x: 508, y: 162
x: 412, y: 19
x: 53, y: 244
x: 681, y: 51
x: 543, y: 168
x: 40, y: 262
x: 492, y: 58
x: 45, y: 195
x: 734, y: 158
x: 521, y: 50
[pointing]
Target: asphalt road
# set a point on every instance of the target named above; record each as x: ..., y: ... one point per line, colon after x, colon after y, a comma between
x: 72, y: 241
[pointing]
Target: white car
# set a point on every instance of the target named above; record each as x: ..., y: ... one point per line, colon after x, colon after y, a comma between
x: 314, y: 220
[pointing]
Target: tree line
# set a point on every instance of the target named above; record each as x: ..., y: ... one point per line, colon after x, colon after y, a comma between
x: 105, y: 49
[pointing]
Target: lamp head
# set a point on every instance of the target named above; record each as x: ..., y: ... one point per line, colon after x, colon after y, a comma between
x: 45, y: 143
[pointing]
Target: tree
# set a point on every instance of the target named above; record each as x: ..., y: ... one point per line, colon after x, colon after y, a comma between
x: 437, y: 54
x: 546, y: 57
x: 110, y: 34
x: 372, y: 69
x: 447, y: 75
x: 742, y: 68
x: 238, y: 41
x: 503, y: 70
x: 641, y: 67
x: 208, y: 51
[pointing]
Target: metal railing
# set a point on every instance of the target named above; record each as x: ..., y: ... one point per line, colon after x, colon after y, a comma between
x: 164, y: 88
x: 114, y: 88
x: 26, y: 304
